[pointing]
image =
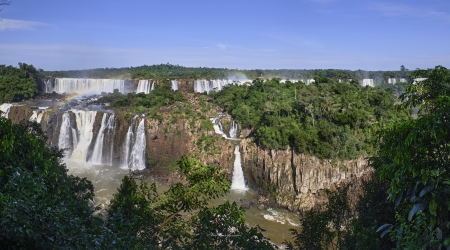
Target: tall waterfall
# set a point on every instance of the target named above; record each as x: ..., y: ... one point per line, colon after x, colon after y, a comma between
x: 134, y: 146
x: 85, y: 123
x: 174, y: 84
x: 5, y: 107
x: 145, y: 86
x: 68, y: 138
x: 85, y: 85
x: 104, y: 153
x: 238, y: 181
x: 233, y: 129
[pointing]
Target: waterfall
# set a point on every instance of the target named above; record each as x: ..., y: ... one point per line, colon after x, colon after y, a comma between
x: 174, y: 85
x: 207, y: 86
x: 134, y: 146
x: 367, y: 82
x: 101, y: 153
x: 97, y: 154
x: 85, y: 123
x: 392, y: 81
x: 137, y: 158
x: 37, y: 116
x: 67, y: 136
x: 127, y: 146
x: 144, y: 87
x: 85, y: 85
x: 5, y: 107
x: 233, y: 129
x: 218, y: 127
x: 238, y: 181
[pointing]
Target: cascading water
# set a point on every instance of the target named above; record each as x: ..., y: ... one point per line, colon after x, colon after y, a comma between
x: 37, y: 116
x: 174, y: 84
x: 144, y: 86
x: 85, y: 123
x: 367, y: 82
x: 238, y: 180
x: 233, y: 129
x: 101, y: 153
x: 134, y: 146
x: 67, y: 135
x: 207, y: 86
x: 5, y: 107
x: 137, y: 157
x: 218, y: 127
x: 85, y: 85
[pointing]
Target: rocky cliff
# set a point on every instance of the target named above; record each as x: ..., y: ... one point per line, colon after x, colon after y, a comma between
x: 295, y: 181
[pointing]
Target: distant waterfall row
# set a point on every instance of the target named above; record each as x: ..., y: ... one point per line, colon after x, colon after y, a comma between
x: 84, y: 86
x: 76, y: 136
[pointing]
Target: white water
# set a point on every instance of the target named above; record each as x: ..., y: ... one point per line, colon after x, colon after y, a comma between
x: 85, y: 85
x: 392, y: 81
x: 207, y: 86
x: 64, y: 140
x: 37, y: 116
x: 367, y: 82
x: 85, y: 123
x: 238, y: 181
x: 137, y: 157
x: 97, y: 154
x: 134, y: 146
x: 233, y: 129
x: 218, y: 127
x: 5, y: 107
x: 174, y: 84
x: 144, y: 86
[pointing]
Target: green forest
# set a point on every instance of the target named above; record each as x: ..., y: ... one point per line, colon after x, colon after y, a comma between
x: 326, y: 119
x: 17, y: 84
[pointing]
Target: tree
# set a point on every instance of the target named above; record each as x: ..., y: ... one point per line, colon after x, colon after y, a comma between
x: 414, y: 157
x: 180, y: 218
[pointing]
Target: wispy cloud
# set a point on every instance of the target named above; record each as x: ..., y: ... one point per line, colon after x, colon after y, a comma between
x: 11, y: 24
x: 221, y: 46
x: 389, y: 9
x: 71, y: 56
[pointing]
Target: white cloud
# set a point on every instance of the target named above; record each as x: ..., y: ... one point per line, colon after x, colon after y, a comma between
x: 221, y: 46
x: 390, y: 9
x: 11, y: 24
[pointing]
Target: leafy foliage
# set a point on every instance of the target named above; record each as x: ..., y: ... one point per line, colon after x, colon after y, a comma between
x: 17, y: 84
x: 325, y: 119
x: 41, y: 206
x: 414, y: 157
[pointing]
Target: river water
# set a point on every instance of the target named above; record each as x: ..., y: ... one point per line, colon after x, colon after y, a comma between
x: 107, y: 179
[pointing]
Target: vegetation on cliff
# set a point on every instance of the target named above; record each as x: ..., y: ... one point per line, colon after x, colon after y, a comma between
x: 325, y: 119
x: 17, y: 84
x: 411, y: 169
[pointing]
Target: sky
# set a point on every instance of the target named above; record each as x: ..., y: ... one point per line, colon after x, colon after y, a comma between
x: 234, y: 34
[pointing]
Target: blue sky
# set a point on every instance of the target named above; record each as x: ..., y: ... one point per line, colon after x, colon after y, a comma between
x: 244, y: 34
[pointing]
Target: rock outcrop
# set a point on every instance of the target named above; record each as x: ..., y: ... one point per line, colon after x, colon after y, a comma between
x: 295, y: 181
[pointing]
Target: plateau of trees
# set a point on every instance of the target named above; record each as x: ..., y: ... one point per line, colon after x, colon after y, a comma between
x: 17, y: 84
x: 326, y: 119
x: 42, y: 207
